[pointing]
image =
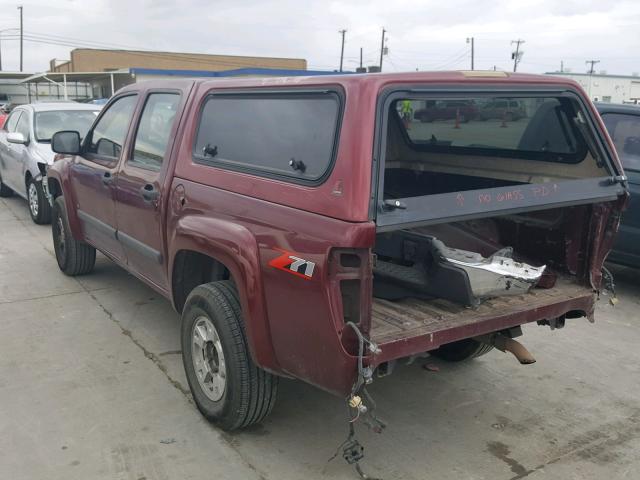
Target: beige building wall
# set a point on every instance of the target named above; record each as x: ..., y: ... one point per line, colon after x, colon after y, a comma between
x: 92, y: 60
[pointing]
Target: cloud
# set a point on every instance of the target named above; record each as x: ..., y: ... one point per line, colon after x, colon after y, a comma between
x: 423, y: 34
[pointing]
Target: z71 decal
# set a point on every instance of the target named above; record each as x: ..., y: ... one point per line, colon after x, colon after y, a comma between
x: 293, y: 264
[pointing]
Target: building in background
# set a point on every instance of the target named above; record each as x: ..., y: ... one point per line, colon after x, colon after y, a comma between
x: 97, y: 73
x: 602, y: 87
x: 96, y: 60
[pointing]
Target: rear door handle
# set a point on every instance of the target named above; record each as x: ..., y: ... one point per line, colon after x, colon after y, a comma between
x: 107, y: 178
x: 149, y: 192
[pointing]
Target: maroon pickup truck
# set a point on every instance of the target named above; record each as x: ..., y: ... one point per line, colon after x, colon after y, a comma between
x: 303, y: 229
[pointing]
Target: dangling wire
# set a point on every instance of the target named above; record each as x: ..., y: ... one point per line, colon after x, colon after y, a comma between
x: 352, y: 450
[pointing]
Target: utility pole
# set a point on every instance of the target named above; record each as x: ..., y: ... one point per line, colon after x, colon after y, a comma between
x: 20, y: 8
x: 591, y: 72
x: 517, y: 55
x: 470, y: 40
x: 342, y: 49
x: 593, y: 64
x: 382, y: 48
x: 360, y: 57
x: 561, y: 66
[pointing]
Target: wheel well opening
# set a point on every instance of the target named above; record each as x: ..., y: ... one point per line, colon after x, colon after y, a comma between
x: 192, y: 269
x: 27, y: 179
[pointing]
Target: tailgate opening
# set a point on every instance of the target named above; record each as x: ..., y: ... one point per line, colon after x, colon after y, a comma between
x: 508, y: 175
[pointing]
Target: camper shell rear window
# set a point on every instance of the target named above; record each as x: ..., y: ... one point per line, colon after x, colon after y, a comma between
x: 458, y: 154
x: 533, y: 128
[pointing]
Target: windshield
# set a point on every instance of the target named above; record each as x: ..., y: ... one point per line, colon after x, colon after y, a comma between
x: 48, y: 123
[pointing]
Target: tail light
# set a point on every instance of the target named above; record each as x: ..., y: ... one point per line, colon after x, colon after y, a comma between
x: 351, y: 279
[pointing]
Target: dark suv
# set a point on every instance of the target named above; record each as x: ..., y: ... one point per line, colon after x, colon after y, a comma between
x: 623, y: 124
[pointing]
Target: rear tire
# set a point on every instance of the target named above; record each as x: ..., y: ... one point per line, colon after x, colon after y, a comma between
x: 227, y: 387
x: 74, y: 257
x: 39, y: 206
x: 4, y: 190
x: 461, y: 350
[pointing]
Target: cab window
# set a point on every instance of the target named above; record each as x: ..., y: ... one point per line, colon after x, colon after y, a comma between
x: 108, y: 135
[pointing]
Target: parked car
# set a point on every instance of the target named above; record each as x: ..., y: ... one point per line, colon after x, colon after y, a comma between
x: 464, y: 110
x: 623, y: 124
x: 302, y: 230
x: 25, y: 149
x: 503, y: 109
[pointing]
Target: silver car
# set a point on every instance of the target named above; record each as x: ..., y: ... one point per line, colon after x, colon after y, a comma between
x: 25, y: 149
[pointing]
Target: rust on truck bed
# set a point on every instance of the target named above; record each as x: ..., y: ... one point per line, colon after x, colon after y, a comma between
x: 439, y: 321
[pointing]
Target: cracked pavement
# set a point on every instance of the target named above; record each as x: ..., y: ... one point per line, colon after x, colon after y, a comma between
x: 92, y: 386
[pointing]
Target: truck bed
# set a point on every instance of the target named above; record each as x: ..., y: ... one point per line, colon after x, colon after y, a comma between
x: 413, y: 325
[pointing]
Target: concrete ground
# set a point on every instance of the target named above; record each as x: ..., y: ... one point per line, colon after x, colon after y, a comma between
x: 92, y: 386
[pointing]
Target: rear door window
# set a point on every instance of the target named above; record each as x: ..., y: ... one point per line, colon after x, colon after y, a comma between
x: 625, y: 132
x: 154, y: 130
x: 282, y: 135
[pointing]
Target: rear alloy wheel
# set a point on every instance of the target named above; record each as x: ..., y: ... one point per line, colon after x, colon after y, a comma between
x: 462, y: 350
x: 208, y: 358
x: 39, y: 206
x: 228, y: 388
x: 4, y: 190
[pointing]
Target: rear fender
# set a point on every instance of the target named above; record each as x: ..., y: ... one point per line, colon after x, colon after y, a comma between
x: 236, y: 248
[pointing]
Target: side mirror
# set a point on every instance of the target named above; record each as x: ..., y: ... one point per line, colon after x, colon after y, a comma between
x: 66, y: 142
x: 16, y: 137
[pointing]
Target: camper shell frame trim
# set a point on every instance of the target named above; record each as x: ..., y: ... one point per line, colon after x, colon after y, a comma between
x: 392, y: 219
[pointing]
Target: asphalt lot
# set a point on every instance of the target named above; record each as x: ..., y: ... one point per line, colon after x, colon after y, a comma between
x: 92, y: 387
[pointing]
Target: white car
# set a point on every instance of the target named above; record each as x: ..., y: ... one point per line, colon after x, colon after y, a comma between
x: 25, y: 149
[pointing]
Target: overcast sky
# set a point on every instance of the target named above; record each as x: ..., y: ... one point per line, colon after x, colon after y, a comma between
x: 423, y: 34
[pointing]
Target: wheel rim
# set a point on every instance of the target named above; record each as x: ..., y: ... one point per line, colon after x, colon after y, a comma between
x: 33, y: 199
x: 208, y: 358
x: 61, y: 237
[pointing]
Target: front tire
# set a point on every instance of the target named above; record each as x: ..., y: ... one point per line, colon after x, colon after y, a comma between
x: 39, y: 206
x: 74, y: 257
x: 461, y: 350
x: 227, y: 387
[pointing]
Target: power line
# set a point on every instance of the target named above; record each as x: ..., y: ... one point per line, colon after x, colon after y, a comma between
x: 154, y: 54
